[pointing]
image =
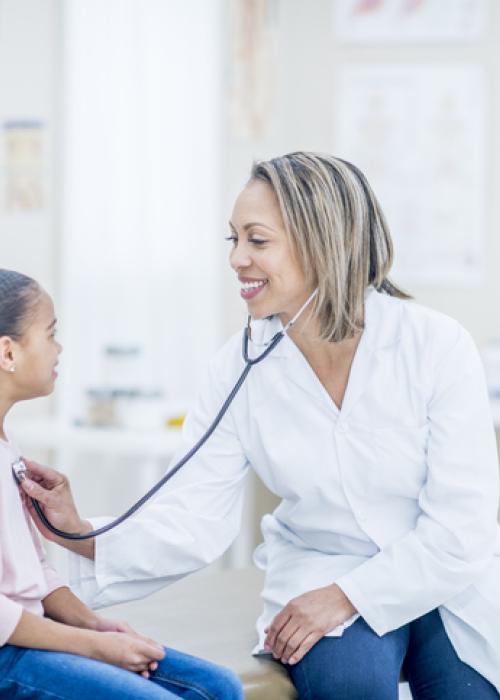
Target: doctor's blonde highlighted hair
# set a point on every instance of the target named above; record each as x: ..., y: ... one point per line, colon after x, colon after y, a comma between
x: 339, y: 232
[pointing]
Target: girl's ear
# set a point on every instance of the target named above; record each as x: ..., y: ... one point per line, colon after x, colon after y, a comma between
x: 6, y: 353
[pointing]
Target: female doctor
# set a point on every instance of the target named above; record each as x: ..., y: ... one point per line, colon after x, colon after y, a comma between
x: 370, y: 420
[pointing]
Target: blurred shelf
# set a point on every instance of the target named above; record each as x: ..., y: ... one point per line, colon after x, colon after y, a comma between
x: 53, y: 434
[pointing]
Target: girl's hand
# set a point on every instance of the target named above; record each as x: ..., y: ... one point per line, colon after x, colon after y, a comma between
x: 52, y: 490
x: 130, y: 651
x: 305, y: 620
x: 104, y: 624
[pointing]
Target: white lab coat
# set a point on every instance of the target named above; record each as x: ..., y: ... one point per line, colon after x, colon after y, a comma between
x: 394, y: 497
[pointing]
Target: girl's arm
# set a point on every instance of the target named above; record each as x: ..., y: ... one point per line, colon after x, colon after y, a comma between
x: 62, y: 605
x: 41, y: 633
x: 120, y: 649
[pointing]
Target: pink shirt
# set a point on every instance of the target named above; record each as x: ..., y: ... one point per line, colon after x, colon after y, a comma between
x: 25, y: 577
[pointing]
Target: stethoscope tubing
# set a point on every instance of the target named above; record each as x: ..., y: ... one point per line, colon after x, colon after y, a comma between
x: 249, y: 363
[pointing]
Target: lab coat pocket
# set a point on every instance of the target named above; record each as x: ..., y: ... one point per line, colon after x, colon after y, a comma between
x: 399, y: 459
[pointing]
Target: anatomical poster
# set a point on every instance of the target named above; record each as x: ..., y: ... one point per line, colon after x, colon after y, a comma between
x: 23, y: 165
x: 417, y: 131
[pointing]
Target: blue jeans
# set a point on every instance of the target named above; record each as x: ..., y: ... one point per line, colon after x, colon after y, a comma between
x: 30, y: 674
x: 360, y: 665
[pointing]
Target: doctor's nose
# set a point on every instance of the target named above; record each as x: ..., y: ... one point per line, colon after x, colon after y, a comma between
x: 239, y: 259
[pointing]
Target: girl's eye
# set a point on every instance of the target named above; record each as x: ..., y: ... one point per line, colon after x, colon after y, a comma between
x: 257, y: 241
x: 231, y: 238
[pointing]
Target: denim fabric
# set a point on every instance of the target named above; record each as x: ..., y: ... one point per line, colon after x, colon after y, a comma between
x: 26, y: 674
x: 363, y: 666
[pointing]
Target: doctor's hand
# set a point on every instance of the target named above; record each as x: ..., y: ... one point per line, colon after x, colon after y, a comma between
x: 52, y: 490
x: 305, y: 620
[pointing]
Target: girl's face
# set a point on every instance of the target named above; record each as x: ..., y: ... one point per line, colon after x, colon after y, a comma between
x: 36, y: 354
x: 272, y: 279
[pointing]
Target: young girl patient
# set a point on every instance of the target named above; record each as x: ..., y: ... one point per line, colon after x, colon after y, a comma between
x: 51, y: 644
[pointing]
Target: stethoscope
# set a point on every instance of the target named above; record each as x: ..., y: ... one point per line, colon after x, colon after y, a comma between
x: 19, y: 468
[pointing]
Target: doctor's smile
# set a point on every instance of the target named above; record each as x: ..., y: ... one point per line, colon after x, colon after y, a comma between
x: 251, y: 287
x: 377, y: 559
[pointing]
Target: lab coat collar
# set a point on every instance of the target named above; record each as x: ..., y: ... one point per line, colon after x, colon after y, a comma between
x: 382, y: 330
x: 382, y: 327
x: 382, y: 320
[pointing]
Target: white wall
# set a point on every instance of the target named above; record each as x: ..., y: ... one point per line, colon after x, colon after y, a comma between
x: 141, y: 192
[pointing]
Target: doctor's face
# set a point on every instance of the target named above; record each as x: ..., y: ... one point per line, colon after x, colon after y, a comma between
x: 263, y: 257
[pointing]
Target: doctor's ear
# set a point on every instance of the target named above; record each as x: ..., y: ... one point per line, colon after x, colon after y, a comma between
x: 7, y: 363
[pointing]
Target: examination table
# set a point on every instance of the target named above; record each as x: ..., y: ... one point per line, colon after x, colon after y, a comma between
x: 213, y: 615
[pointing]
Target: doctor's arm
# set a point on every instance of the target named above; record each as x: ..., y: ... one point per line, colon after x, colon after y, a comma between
x: 456, y: 531
x: 185, y: 527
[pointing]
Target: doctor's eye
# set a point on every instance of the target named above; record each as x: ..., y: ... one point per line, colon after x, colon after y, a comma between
x: 231, y: 238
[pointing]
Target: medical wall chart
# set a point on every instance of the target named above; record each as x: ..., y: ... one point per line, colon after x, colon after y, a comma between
x: 409, y: 20
x: 252, y: 80
x: 23, y: 165
x: 417, y: 131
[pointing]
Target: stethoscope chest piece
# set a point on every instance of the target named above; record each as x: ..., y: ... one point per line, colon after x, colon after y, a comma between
x: 19, y: 470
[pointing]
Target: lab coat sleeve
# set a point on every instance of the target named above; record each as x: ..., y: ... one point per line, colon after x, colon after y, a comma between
x: 188, y: 525
x: 456, y: 531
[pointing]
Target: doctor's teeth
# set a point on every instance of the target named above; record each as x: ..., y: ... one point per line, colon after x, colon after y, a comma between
x: 252, y: 285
